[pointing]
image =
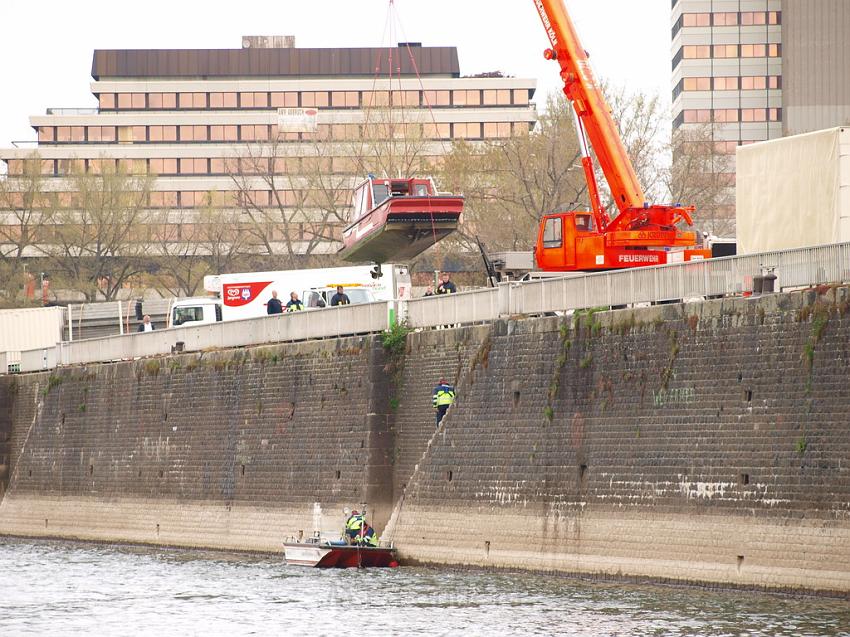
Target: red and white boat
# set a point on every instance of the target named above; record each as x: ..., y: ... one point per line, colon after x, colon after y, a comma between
x: 397, y: 219
x: 324, y: 554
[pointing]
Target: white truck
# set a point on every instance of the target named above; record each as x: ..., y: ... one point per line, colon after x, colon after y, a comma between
x: 246, y: 294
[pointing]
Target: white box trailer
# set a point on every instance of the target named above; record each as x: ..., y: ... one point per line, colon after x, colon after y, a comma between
x: 245, y: 294
x: 794, y: 192
x: 30, y: 328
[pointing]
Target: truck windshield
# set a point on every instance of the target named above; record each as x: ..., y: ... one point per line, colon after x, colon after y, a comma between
x: 359, y: 295
x: 187, y: 315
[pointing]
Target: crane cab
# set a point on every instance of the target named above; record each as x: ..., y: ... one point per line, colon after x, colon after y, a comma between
x: 569, y: 241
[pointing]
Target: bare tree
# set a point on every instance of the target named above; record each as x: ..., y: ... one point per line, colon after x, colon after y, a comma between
x: 509, y: 184
x: 642, y: 124
x: 293, y: 206
x: 205, y: 241
x: 701, y: 176
x: 101, y: 233
x: 395, y: 143
x: 26, y: 213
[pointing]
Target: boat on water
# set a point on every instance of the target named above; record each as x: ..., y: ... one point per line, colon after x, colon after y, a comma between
x: 397, y: 219
x: 321, y: 553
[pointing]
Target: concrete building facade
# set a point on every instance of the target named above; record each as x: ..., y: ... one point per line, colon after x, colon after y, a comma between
x: 816, y: 56
x: 727, y: 84
x: 755, y: 70
x: 234, y: 128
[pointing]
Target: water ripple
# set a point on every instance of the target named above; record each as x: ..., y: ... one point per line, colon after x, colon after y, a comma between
x: 79, y: 589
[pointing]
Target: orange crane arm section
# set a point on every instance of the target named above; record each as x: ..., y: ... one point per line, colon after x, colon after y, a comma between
x: 593, y: 111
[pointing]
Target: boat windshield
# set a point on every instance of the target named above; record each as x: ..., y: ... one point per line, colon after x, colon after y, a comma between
x: 380, y: 193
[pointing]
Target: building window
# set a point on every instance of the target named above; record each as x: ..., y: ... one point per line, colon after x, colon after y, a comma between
x: 46, y: 133
x: 190, y: 133
x: 284, y: 100
x: 471, y: 130
x: 697, y: 83
x: 722, y: 51
x: 726, y: 19
x: 497, y: 130
x: 106, y: 101
x: 437, y: 131
x: 223, y: 100
x: 694, y: 116
x: 693, y: 52
x: 159, y: 101
x: 466, y: 98
x: 319, y: 99
x: 251, y: 132
x: 726, y: 115
x: 437, y: 98
x: 696, y: 19
x: 761, y: 50
x: 726, y: 83
x: 494, y: 97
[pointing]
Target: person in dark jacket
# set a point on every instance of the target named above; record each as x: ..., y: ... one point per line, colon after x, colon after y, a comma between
x: 340, y: 298
x: 146, y: 325
x: 443, y: 397
x: 446, y: 286
x: 274, y: 306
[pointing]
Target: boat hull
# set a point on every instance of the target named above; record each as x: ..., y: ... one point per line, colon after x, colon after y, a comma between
x: 331, y: 556
x: 401, y: 228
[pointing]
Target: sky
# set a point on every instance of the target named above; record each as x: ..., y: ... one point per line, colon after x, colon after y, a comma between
x: 47, y: 46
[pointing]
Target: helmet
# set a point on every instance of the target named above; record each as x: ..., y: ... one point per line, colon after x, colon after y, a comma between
x: 355, y: 512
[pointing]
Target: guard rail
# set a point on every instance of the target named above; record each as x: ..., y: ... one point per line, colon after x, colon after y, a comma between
x: 686, y: 281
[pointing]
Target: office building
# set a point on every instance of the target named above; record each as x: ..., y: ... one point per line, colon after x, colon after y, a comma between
x: 254, y: 129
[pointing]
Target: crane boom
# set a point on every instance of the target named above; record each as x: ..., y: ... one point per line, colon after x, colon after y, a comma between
x: 592, y: 110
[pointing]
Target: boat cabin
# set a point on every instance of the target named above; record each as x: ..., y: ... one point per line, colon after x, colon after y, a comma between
x: 373, y: 192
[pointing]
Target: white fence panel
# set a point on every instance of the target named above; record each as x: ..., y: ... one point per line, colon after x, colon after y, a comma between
x: 36, y: 360
x: 449, y: 309
x: 329, y: 322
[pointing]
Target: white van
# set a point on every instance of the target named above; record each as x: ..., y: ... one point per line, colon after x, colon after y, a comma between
x: 245, y: 295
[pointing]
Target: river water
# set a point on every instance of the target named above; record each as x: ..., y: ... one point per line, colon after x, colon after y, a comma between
x: 61, y: 588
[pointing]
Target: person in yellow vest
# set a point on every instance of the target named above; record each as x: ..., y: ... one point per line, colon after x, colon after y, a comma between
x: 443, y: 397
x: 358, y: 531
x: 354, y: 525
x: 294, y: 303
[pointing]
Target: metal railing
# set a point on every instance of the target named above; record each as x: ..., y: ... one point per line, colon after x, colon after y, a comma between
x: 686, y: 281
x: 677, y: 282
x: 296, y: 326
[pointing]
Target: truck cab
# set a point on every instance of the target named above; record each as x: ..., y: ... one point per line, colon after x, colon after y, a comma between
x: 569, y: 241
x: 194, y: 311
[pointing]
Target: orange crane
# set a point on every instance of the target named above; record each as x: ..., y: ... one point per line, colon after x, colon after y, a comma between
x: 641, y: 233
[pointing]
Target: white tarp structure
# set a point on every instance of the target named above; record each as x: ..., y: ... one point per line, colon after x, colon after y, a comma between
x: 794, y: 192
x: 30, y: 328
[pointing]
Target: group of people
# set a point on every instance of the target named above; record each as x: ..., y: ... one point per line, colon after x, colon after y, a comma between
x: 358, y: 532
x: 276, y: 306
